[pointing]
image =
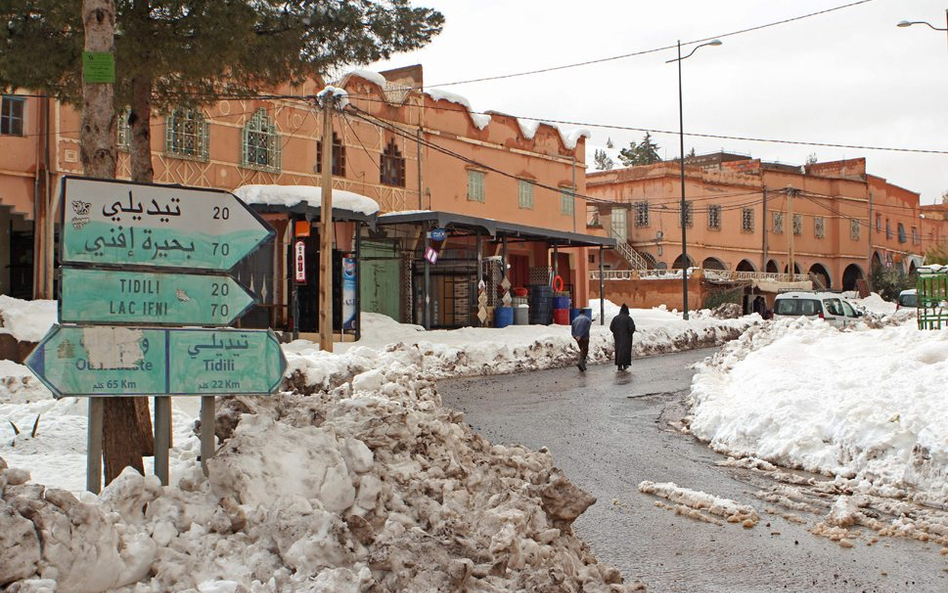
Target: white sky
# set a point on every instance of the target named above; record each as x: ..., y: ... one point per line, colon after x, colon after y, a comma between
x: 847, y: 77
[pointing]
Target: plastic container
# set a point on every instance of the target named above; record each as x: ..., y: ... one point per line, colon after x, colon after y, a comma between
x: 519, y: 291
x: 561, y: 316
x: 503, y: 316
x: 589, y: 312
x: 573, y: 314
x: 560, y: 302
x: 521, y: 315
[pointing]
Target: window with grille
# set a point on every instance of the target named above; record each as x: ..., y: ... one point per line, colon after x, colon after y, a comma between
x: 186, y: 135
x: 260, y: 143
x: 392, y: 170
x: 797, y: 224
x: 888, y: 229
x: 878, y: 223
x: 338, y: 156
x: 714, y: 217
x: 855, y: 230
x: 916, y: 237
x: 902, y: 237
x: 747, y: 220
x: 475, y: 186
x: 122, y: 132
x: 778, y: 222
x: 819, y: 227
x: 688, y: 215
x: 641, y: 214
x: 566, y: 201
x: 11, y: 116
x: 525, y: 194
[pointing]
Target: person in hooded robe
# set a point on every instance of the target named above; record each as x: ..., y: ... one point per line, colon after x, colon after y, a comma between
x: 622, y: 328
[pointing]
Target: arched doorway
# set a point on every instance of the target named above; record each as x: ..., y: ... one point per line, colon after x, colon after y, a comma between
x: 796, y: 269
x: 819, y: 270
x: 851, y: 274
x: 713, y: 263
x: 678, y: 260
x: 772, y: 267
x: 745, y: 266
x: 876, y: 261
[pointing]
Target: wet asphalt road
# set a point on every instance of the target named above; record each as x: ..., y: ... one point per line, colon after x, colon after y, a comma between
x: 609, y: 431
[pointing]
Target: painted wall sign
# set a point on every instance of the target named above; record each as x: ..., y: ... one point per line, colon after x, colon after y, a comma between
x: 154, y: 298
x: 299, y: 261
x: 110, y: 361
x: 121, y: 223
x: 431, y: 255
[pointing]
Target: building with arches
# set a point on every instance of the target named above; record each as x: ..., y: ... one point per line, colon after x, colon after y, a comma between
x: 827, y: 223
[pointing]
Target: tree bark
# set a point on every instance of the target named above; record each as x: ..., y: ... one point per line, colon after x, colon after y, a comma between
x: 139, y: 125
x: 97, y: 142
x: 127, y: 426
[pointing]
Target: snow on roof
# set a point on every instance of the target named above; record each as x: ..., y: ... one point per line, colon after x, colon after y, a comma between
x: 528, y: 128
x: 480, y: 119
x: 291, y: 195
x: 368, y: 75
x: 570, y: 139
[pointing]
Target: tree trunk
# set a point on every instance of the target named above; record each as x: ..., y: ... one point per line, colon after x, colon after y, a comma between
x: 127, y: 427
x: 97, y: 142
x: 139, y: 125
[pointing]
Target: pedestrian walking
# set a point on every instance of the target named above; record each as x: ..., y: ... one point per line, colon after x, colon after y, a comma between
x: 622, y: 328
x: 580, y: 328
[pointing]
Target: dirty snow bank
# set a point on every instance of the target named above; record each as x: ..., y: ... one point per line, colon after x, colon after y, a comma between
x: 866, y: 405
x: 26, y: 321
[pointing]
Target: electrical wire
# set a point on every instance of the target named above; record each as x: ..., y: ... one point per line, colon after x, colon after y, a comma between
x: 650, y: 51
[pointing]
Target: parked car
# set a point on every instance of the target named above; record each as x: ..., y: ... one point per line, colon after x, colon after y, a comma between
x: 907, y: 298
x: 816, y: 305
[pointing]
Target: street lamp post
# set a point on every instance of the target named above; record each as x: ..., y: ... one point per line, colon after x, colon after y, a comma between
x: 910, y: 23
x: 681, y: 137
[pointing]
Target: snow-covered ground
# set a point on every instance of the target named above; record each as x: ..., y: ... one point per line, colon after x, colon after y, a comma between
x: 355, y: 475
x: 866, y: 405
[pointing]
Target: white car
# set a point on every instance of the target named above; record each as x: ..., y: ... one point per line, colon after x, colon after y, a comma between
x: 816, y: 305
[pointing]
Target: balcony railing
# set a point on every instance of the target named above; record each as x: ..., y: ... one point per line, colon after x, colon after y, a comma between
x: 719, y: 275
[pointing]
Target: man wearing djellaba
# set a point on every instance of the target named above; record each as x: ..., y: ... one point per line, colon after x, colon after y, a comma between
x: 622, y: 328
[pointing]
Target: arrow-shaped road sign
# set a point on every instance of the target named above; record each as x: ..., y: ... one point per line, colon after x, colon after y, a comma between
x: 109, y: 361
x: 122, y: 223
x: 154, y: 298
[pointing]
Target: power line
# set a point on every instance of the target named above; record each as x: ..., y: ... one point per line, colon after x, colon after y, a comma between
x: 649, y: 51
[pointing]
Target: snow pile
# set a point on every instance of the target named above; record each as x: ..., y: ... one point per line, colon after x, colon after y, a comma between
x: 341, y: 490
x: 291, y: 195
x: 866, y: 405
x: 692, y: 502
x: 26, y: 321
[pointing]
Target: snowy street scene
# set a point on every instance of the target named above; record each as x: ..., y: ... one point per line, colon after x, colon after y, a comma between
x: 479, y: 296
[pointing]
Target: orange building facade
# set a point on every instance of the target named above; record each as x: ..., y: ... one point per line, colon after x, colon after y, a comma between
x: 827, y: 223
x: 407, y: 149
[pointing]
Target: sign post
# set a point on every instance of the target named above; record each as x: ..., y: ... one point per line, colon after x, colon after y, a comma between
x: 140, y: 261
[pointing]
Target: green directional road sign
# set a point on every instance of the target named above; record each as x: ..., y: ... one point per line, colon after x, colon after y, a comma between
x: 154, y: 298
x: 110, y: 361
x: 127, y: 224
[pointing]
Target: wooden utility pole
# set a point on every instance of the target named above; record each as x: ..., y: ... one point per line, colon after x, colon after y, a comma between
x: 325, y: 230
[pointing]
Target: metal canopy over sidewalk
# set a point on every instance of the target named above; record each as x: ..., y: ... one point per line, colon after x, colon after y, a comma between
x: 495, y: 228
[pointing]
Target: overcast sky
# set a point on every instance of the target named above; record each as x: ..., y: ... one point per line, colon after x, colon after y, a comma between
x: 846, y: 77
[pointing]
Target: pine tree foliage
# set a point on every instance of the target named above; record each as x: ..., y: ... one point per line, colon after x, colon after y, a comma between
x: 643, y: 153
x: 194, y: 50
x: 603, y: 161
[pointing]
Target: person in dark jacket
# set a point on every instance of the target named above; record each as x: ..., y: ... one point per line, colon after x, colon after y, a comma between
x: 580, y: 331
x: 622, y: 328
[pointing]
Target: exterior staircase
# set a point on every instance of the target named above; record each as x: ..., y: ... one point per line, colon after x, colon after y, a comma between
x: 630, y: 255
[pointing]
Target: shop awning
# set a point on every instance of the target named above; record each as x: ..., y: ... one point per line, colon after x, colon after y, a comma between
x: 494, y: 228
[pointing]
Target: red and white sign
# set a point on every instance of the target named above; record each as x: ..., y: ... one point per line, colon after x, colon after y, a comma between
x: 299, y: 262
x: 431, y: 255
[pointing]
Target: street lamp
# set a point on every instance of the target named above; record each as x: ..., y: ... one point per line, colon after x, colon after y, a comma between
x: 681, y: 135
x: 910, y: 23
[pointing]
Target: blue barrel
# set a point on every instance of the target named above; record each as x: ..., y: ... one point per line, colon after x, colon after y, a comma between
x: 503, y: 316
x: 589, y: 312
x: 561, y: 302
x: 573, y: 314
